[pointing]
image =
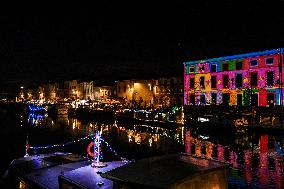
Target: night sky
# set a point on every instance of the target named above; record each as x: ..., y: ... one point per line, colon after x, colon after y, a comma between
x: 41, y: 43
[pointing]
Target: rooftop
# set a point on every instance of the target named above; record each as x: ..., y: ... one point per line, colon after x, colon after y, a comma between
x: 239, y: 56
x: 52, y: 170
x: 45, y: 169
x: 162, y: 171
x: 90, y: 177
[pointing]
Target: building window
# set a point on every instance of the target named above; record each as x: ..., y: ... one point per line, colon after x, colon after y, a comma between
x: 192, y: 99
x: 253, y: 79
x: 269, y: 61
x: 165, y: 82
x: 239, y: 99
x: 239, y: 65
x: 191, y: 69
x: 213, y: 68
x: 239, y: 81
x: 254, y: 99
x: 269, y: 78
x: 225, y: 81
x: 191, y: 83
x: 270, y: 99
x: 213, y: 98
x: 213, y: 81
x: 202, y: 99
x: 226, y: 98
x: 253, y: 62
x: 225, y: 67
x: 201, y: 68
x: 172, y: 83
x: 202, y: 82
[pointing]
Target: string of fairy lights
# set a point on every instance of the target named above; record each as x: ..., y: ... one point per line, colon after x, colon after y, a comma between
x: 96, y: 143
x: 93, y: 145
x: 89, y: 137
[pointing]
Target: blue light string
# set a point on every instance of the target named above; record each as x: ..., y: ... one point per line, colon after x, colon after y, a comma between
x: 96, y: 146
x: 62, y: 145
x: 110, y: 148
x: 92, y: 136
x: 36, y: 108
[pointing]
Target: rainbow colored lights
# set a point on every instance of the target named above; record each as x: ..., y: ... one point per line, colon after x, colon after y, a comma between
x: 235, y: 80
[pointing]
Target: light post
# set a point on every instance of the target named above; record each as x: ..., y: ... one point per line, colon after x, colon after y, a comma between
x: 21, y: 93
x: 280, y: 80
x: 251, y: 103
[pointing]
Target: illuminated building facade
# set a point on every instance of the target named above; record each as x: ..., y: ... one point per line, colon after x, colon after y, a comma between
x: 71, y: 89
x: 169, y: 91
x: 86, y: 90
x: 103, y: 92
x: 245, y: 79
x: 161, y: 92
x: 142, y: 92
x: 41, y: 93
x: 50, y: 91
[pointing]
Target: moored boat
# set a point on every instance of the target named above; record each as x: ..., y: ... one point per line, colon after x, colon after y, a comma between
x: 56, y: 170
x: 67, y: 170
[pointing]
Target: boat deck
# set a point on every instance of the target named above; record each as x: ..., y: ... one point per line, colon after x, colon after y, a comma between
x: 170, y: 171
x: 89, y: 177
x: 52, y: 170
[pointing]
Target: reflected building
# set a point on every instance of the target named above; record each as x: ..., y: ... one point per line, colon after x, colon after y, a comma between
x: 221, y: 152
x: 248, y: 165
x: 261, y: 166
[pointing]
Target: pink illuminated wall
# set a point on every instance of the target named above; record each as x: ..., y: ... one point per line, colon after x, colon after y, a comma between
x: 202, y: 68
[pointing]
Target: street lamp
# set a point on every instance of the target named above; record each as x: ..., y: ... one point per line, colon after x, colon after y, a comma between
x: 281, y: 82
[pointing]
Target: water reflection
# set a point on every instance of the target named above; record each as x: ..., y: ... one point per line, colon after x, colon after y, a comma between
x: 256, y: 159
x: 34, y: 119
x: 253, y: 165
x: 125, y: 138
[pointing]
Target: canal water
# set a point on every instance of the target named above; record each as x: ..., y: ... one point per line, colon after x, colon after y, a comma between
x: 256, y: 159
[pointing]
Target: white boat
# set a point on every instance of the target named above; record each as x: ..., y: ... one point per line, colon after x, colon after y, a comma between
x: 56, y: 171
x: 66, y: 171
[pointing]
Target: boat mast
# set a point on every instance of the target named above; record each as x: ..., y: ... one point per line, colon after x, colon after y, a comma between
x: 27, y: 146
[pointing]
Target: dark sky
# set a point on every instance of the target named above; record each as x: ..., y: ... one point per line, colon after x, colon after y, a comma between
x: 115, y: 41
